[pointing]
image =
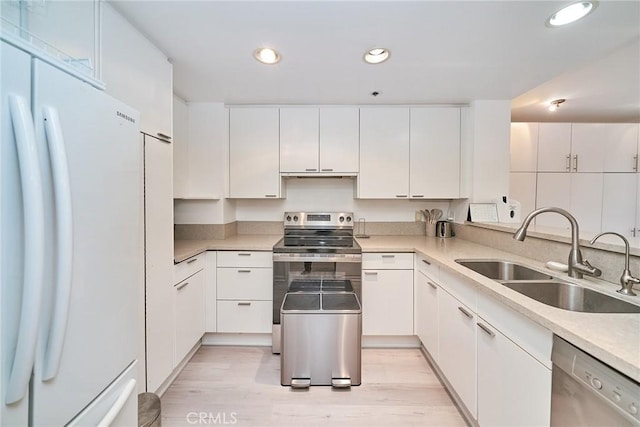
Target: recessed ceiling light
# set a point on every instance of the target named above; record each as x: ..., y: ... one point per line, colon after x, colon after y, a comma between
x: 266, y: 55
x: 376, y: 55
x: 570, y: 13
x: 555, y: 104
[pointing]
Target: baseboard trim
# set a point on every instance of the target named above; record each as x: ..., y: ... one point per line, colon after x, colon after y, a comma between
x: 174, y: 374
x: 389, y: 341
x: 262, y: 340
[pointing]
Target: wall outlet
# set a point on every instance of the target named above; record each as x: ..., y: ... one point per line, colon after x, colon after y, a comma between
x: 419, y: 216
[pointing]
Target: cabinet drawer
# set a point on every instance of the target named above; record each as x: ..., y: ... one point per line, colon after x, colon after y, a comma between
x: 245, y: 316
x: 245, y: 283
x: 426, y: 266
x: 245, y: 259
x: 188, y: 267
x: 387, y: 261
x: 530, y: 336
x: 460, y: 287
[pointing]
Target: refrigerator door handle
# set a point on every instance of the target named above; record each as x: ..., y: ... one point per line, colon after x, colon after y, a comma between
x: 118, y: 404
x: 64, y: 242
x: 33, y: 276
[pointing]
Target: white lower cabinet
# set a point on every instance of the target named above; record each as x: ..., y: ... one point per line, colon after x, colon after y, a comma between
x: 210, y: 292
x: 457, y: 347
x: 426, y: 306
x: 244, y: 292
x: 190, y: 313
x: 513, y: 387
x: 387, y: 294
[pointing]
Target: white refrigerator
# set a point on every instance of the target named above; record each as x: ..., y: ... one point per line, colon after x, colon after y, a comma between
x: 70, y: 162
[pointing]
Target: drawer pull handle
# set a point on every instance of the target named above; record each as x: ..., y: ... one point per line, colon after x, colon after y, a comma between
x: 270, y: 195
x: 371, y: 273
x: 401, y: 195
x: 465, y: 312
x: 244, y: 254
x: 418, y: 195
x: 388, y: 256
x: 310, y: 169
x: 486, y: 330
x: 244, y: 271
x: 192, y: 260
x: 244, y: 303
x: 433, y: 285
x: 327, y: 169
x: 426, y: 262
x: 182, y: 285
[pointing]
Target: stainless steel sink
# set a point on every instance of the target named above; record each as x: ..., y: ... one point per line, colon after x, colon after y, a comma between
x: 568, y: 296
x: 502, y: 270
x: 547, y: 289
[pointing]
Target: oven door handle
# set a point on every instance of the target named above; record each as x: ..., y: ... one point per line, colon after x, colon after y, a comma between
x: 283, y: 257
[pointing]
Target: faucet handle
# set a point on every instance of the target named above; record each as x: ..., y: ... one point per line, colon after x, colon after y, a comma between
x: 586, y: 268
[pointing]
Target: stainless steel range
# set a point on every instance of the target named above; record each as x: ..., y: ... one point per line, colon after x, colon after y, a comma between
x: 317, y: 254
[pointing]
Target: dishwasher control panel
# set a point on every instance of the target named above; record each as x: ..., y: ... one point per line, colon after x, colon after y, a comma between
x: 619, y: 390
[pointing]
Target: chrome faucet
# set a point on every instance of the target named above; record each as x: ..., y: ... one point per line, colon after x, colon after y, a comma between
x: 626, y: 280
x: 576, y: 266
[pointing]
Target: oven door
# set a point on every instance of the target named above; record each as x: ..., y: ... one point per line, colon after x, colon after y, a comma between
x: 312, y: 272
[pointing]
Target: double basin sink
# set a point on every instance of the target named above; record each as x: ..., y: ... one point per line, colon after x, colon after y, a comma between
x: 547, y: 289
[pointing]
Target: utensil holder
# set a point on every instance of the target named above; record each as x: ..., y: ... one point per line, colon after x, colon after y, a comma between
x: 430, y: 229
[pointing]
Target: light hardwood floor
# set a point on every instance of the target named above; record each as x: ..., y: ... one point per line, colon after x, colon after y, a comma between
x: 241, y: 386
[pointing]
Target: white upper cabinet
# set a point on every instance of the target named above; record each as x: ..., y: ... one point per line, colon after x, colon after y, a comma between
x: 180, y: 148
x: 384, y: 153
x: 299, y: 139
x: 619, y: 203
x: 321, y: 140
x: 605, y: 147
x: 435, y: 153
x: 339, y: 139
x: 524, y: 147
x: 554, y: 147
x: 137, y: 73
x: 254, y: 170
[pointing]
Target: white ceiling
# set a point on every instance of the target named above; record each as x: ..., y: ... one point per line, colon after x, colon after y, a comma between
x: 441, y: 52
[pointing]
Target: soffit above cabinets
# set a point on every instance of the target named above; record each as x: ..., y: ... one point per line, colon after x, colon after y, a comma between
x: 442, y: 51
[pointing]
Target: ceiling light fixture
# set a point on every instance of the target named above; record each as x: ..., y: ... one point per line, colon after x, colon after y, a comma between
x: 376, y: 55
x: 555, y: 104
x: 570, y: 13
x: 266, y: 55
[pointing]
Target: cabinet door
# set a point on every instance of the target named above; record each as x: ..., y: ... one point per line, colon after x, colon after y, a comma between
x: 589, y: 141
x: 158, y: 205
x: 180, y: 148
x: 210, y: 291
x: 619, y: 203
x: 299, y: 136
x: 514, y: 389
x: 457, y: 347
x: 524, y: 147
x: 435, y: 153
x: 190, y: 314
x: 621, y: 147
x: 554, y: 147
x: 426, y: 312
x: 586, y: 200
x: 522, y: 187
x: 554, y: 189
x: 254, y: 170
x: 339, y: 139
x: 137, y: 73
x: 387, y: 302
x: 384, y: 153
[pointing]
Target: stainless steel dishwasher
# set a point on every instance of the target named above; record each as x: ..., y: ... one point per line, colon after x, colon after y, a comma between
x: 587, y: 392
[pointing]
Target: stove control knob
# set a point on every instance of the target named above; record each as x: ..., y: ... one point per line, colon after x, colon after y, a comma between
x: 341, y: 219
x: 348, y: 219
x: 295, y: 218
x: 288, y: 218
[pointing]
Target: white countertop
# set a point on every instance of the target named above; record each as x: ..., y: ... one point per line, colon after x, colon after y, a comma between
x: 613, y: 338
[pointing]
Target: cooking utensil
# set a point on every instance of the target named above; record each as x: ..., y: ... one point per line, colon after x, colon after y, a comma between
x: 427, y: 215
x: 436, y: 214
